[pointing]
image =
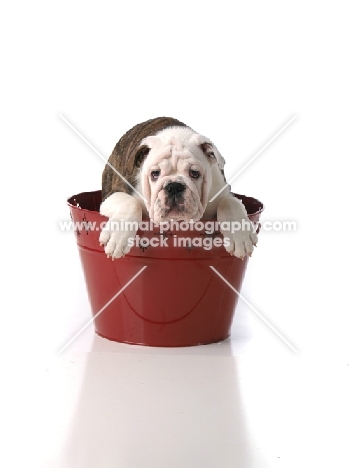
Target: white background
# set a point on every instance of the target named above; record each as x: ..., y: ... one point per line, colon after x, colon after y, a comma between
x: 236, y: 72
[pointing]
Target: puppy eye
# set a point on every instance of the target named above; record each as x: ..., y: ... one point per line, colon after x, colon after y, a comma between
x: 194, y: 174
x: 155, y: 175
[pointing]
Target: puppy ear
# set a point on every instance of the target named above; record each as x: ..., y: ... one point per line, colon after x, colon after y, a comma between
x: 209, y: 149
x: 138, y: 155
x: 141, y: 154
x: 145, y: 147
x: 136, y: 158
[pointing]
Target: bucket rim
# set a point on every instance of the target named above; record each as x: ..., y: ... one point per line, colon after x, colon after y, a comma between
x: 70, y: 202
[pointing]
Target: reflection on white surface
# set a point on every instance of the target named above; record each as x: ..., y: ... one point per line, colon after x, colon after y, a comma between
x: 128, y: 406
x: 158, y: 409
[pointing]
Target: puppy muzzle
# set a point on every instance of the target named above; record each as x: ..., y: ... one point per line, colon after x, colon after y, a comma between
x: 176, y: 200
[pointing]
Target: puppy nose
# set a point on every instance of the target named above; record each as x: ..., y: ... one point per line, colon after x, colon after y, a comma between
x: 174, y: 188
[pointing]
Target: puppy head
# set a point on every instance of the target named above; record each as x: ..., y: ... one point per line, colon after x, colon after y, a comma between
x: 176, y: 175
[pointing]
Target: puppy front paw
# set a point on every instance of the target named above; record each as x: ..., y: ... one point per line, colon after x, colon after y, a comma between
x: 116, y: 243
x: 240, y: 243
x: 124, y: 215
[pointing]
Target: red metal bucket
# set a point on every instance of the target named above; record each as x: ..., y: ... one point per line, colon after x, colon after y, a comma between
x: 178, y: 300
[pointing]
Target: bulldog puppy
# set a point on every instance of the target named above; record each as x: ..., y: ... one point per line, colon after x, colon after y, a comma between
x: 163, y: 170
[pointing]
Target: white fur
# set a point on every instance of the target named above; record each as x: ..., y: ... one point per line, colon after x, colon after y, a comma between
x: 119, y: 207
x: 174, y: 151
x: 241, y: 242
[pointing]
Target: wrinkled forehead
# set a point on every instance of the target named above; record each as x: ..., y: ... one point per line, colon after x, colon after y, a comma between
x: 173, y: 156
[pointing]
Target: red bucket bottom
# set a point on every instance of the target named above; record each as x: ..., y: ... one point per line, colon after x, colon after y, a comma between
x: 177, y: 300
